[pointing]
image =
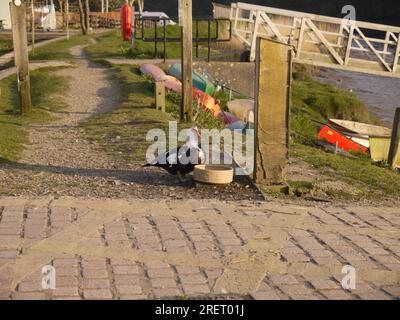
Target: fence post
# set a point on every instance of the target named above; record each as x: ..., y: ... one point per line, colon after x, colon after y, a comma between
x: 394, y: 153
x: 187, y: 61
x: 20, y: 43
x: 160, y: 95
x: 272, y: 109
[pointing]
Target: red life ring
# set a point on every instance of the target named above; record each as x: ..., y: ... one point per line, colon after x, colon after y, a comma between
x: 126, y: 21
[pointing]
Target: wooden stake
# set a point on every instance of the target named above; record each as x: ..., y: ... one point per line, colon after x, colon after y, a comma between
x: 160, y: 95
x: 20, y: 43
x: 187, y: 61
x: 33, y: 27
x: 67, y: 9
x: 272, y: 109
x: 394, y: 153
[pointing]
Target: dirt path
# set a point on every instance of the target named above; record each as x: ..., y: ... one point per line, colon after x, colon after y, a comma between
x: 90, y: 93
x: 60, y: 160
x: 59, y: 157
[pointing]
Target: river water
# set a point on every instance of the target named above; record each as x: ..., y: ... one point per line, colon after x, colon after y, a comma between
x: 380, y: 94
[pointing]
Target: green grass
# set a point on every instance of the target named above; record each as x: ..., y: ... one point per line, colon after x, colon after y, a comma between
x: 111, y: 46
x: 13, y: 133
x: 314, y: 103
x: 59, y: 50
x: 122, y: 132
x: 5, y: 46
x: 371, y: 181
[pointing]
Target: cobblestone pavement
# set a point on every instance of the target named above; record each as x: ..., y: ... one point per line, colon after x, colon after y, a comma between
x: 115, y: 249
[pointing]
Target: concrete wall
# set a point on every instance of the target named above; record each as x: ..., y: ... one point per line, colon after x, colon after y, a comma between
x: 5, y: 13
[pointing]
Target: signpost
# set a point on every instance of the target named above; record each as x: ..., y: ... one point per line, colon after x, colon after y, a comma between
x: 20, y: 43
x: 185, y: 12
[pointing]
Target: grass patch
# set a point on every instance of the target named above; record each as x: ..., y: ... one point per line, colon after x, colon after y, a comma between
x: 13, y: 134
x: 111, y: 46
x: 122, y: 132
x: 314, y: 102
x: 372, y: 181
x: 59, y: 50
x: 6, y: 46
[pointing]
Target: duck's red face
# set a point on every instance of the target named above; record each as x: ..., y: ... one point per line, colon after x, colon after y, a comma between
x: 196, y: 131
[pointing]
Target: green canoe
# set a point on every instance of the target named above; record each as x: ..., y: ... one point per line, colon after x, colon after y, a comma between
x: 200, y: 82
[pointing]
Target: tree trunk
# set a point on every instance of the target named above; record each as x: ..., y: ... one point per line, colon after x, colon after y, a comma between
x: 82, y: 17
x: 87, y: 16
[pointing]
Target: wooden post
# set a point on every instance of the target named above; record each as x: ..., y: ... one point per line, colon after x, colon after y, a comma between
x: 33, y: 27
x: 394, y: 153
x: 272, y: 109
x: 20, y: 43
x: 160, y: 95
x: 67, y: 9
x: 187, y: 61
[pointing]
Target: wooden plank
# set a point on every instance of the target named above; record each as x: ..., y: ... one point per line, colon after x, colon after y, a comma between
x: 272, y: 26
x: 301, y: 37
x: 373, y: 48
x: 349, y: 45
x: 255, y: 36
x: 160, y: 95
x: 273, y: 91
x: 324, y: 41
x: 20, y: 44
x: 187, y: 61
x: 394, y: 153
x: 396, y: 55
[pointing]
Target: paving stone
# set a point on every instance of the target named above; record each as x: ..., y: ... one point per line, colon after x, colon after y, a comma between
x: 126, y: 279
x: 160, y: 273
x: 393, y: 291
x: 65, y: 292
x: 95, y: 273
x: 264, y: 295
x: 30, y: 286
x: 182, y: 270
x: 166, y: 293
x: 161, y: 283
x: 283, y: 279
x: 96, y: 284
x: 193, y: 289
x: 29, y: 296
x: 65, y: 281
x: 296, y: 289
x: 128, y: 289
x: 193, y: 279
x: 324, y: 284
x: 336, y: 295
x: 97, y: 294
x: 126, y: 269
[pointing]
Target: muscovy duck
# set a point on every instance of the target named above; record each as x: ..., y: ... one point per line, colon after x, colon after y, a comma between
x: 181, y: 161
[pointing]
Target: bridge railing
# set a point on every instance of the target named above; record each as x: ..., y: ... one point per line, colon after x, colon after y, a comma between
x: 320, y: 40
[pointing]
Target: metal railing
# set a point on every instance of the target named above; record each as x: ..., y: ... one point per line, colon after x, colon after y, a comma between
x: 159, y: 33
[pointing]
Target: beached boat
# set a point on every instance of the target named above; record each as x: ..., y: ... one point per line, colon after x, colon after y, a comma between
x: 351, y: 135
x: 243, y: 109
x: 200, y: 82
x: 152, y: 70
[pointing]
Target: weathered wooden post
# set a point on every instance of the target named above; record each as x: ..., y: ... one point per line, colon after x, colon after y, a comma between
x: 67, y: 9
x: 272, y: 109
x: 160, y: 95
x: 187, y: 60
x: 33, y: 26
x: 20, y: 43
x: 394, y: 153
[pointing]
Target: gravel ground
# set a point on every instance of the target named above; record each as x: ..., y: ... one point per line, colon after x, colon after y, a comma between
x: 60, y: 161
